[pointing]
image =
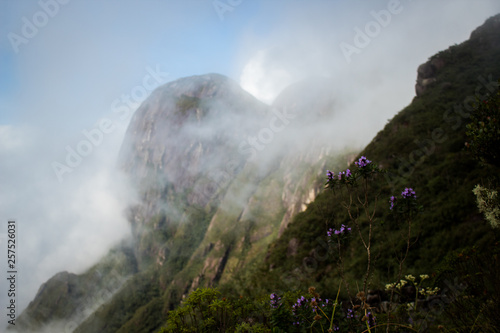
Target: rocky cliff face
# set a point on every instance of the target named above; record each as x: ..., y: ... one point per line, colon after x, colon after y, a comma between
x: 426, y: 74
x: 181, y: 149
x: 203, y: 143
x: 256, y: 175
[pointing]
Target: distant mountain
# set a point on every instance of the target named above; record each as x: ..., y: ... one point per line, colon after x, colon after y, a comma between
x: 230, y: 192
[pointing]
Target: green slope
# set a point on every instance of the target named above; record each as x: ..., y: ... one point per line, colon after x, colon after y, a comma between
x: 421, y: 147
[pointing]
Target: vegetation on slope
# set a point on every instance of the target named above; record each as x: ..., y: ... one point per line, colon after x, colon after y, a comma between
x: 422, y: 147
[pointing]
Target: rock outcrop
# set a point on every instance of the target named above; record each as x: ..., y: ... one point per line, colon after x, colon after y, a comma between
x: 426, y: 74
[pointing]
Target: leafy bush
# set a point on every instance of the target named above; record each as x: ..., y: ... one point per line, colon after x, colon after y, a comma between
x: 205, y: 310
x: 471, y: 278
x: 484, y: 133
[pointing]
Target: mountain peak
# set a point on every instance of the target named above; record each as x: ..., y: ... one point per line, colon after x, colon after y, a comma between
x: 201, y: 86
x: 488, y: 30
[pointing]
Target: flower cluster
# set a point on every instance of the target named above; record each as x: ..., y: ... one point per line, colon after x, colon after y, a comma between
x: 346, y: 173
x: 275, y: 300
x: 309, y: 306
x: 413, y: 280
x: 409, y: 202
x: 408, y: 193
x: 365, y: 168
x: 301, y: 303
x: 343, y: 230
x: 362, y: 162
x: 397, y: 285
x: 330, y: 175
x: 428, y: 291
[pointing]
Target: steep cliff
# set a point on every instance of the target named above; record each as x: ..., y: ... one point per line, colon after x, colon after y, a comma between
x: 181, y: 149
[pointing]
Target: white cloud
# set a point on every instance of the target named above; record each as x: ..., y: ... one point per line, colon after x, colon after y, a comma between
x: 262, y: 80
x: 11, y: 139
x: 61, y: 226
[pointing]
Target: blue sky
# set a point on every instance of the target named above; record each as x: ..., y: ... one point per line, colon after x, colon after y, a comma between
x: 102, y: 48
x: 66, y: 78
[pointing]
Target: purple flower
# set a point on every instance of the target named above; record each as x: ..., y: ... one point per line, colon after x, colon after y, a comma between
x: 348, y: 173
x: 350, y: 314
x: 343, y: 229
x: 362, y: 162
x: 408, y: 193
x: 274, y: 300
x: 329, y: 175
x: 301, y: 303
x: 340, y: 174
x: 392, y: 201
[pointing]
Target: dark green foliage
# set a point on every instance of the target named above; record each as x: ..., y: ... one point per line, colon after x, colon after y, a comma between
x: 146, y: 318
x: 66, y: 295
x: 484, y: 130
x: 205, y: 310
x: 188, y: 236
x: 471, y: 278
x: 137, y: 292
x: 484, y: 133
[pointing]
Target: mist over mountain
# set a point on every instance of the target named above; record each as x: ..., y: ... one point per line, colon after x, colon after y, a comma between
x: 224, y: 183
x: 218, y: 175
